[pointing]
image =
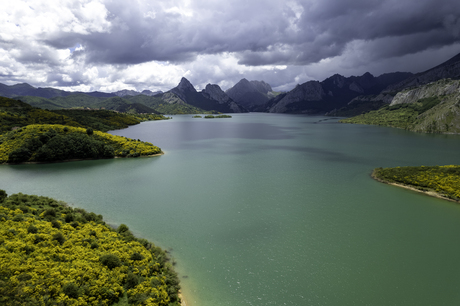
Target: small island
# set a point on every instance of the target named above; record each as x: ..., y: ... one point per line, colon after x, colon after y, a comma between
x: 438, y: 181
x: 218, y: 116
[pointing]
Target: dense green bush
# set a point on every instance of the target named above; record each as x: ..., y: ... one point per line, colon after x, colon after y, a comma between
x: 110, y: 261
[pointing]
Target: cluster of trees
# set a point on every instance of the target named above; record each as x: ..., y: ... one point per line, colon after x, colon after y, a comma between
x: 51, y: 254
x: 46, y: 143
x: 444, y: 180
x: 51, y: 146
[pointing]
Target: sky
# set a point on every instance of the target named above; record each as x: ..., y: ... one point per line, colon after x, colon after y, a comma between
x: 110, y: 45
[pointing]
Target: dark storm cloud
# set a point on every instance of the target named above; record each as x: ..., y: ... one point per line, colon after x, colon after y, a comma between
x: 268, y: 32
x: 220, y: 42
x: 328, y: 26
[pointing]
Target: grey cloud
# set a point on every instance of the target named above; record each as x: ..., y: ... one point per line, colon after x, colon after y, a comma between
x: 265, y: 32
x: 298, y: 34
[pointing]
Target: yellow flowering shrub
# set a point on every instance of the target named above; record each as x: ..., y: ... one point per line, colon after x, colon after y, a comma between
x: 35, y: 143
x: 444, y: 180
x: 51, y: 254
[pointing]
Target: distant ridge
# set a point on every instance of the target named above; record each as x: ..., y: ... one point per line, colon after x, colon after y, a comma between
x: 450, y: 69
x: 316, y: 97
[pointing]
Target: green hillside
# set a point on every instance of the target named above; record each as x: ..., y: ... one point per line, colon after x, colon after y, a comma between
x: 14, y: 114
x: 161, y: 104
x: 433, y: 108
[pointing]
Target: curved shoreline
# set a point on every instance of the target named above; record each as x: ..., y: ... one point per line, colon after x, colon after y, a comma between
x: 80, y: 159
x: 430, y: 193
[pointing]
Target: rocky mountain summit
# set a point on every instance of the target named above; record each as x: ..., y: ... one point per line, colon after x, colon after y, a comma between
x: 211, y: 98
x: 214, y: 91
x: 250, y: 94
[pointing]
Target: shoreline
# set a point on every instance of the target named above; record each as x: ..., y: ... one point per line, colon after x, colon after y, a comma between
x: 430, y: 193
x: 80, y: 159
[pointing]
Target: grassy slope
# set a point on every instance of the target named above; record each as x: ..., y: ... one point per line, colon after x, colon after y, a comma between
x: 440, y: 180
x: 55, y: 255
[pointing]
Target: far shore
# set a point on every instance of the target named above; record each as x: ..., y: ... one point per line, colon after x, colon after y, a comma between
x: 430, y: 193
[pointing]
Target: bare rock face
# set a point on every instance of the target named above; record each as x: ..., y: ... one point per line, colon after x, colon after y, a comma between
x: 184, y: 88
x: 215, y: 92
x: 309, y: 91
x: 250, y: 94
x: 445, y: 87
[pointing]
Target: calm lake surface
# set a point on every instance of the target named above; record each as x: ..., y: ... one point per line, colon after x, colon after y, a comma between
x: 274, y: 209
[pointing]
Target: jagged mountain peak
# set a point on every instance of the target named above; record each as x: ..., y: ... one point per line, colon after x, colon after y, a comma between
x: 185, y: 85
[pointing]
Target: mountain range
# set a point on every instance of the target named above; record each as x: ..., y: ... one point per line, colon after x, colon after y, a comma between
x: 336, y: 95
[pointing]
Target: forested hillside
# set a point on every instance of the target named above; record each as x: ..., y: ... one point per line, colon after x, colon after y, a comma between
x: 35, y: 135
x: 14, y: 113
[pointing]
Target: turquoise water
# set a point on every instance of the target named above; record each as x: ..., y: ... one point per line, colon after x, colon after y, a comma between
x: 272, y: 209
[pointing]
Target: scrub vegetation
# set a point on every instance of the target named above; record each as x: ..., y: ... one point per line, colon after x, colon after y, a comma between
x: 46, y: 143
x: 35, y: 135
x: 443, y: 180
x: 51, y: 254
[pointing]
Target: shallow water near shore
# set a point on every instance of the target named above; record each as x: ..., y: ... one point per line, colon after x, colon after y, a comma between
x: 274, y: 209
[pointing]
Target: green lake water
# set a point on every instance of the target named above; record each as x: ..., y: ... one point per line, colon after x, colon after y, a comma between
x: 274, y: 209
